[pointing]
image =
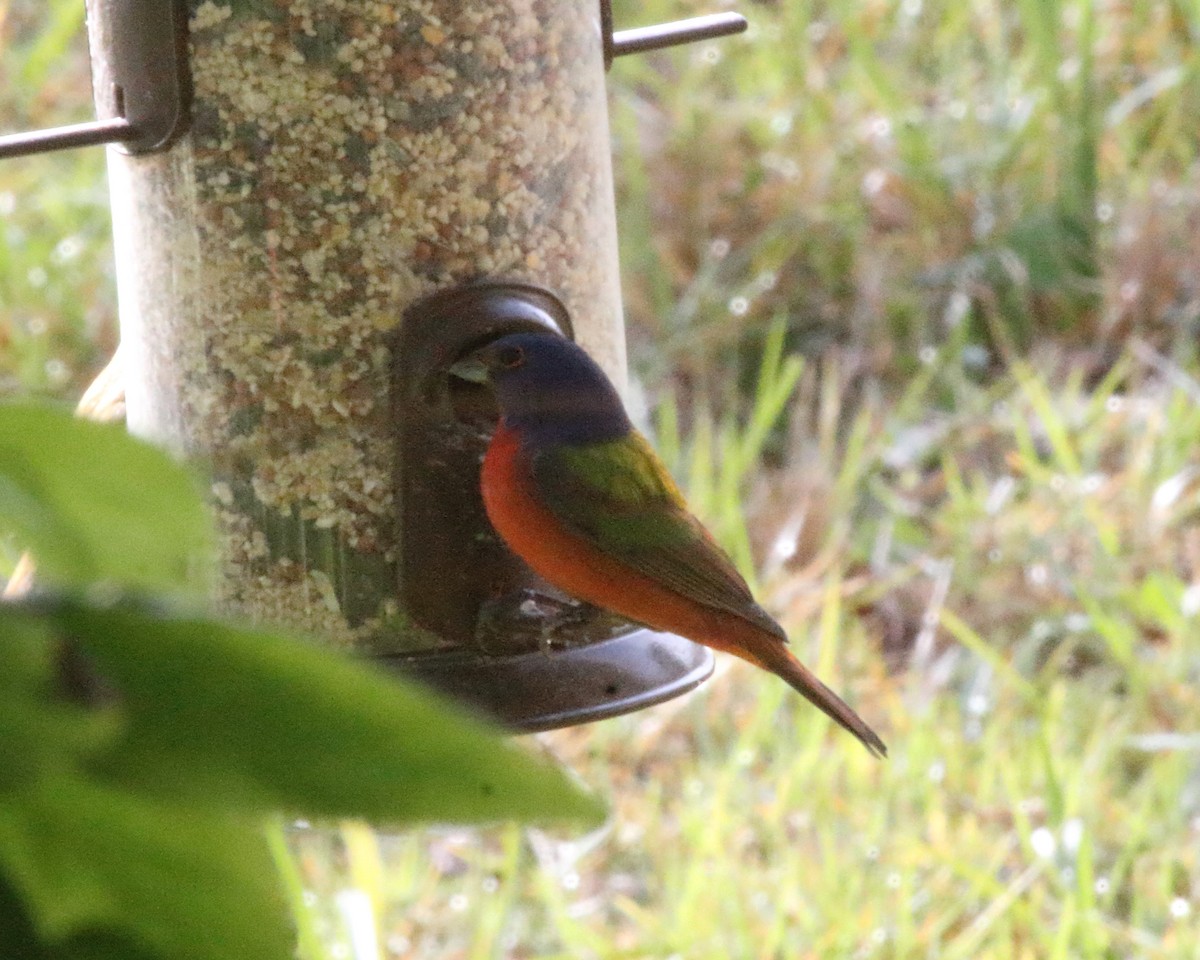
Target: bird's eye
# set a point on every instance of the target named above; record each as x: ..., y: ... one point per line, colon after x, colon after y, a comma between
x: 510, y: 357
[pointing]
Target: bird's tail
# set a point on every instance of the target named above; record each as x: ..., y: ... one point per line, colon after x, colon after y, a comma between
x: 771, y: 654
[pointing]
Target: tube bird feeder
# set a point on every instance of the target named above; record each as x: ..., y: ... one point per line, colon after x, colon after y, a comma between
x: 320, y: 205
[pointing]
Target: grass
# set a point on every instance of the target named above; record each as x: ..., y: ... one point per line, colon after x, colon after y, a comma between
x: 912, y: 286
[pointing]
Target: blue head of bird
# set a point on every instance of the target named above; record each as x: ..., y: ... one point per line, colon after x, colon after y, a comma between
x: 548, y: 389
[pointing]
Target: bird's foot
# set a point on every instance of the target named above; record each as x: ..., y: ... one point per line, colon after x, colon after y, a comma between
x: 526, y: 620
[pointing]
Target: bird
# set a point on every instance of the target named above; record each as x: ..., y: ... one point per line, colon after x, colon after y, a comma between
x: 578, y: 493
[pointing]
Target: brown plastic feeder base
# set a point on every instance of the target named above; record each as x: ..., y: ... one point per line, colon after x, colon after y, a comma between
x: 543, y: 691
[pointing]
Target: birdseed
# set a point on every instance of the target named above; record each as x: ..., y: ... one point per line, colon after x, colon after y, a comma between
x: 346, y: 158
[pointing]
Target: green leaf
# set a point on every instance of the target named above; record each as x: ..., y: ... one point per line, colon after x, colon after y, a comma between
x: 252, y: 719
x: 43, y: 730
x: 93, y: 866
x: 30, y: 521
x: 103, y: 945
x: 17, y: 935
x: 93, y: 503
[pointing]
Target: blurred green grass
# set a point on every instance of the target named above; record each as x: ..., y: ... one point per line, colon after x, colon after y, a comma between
x: 974, y: 501
x: 57, y: 295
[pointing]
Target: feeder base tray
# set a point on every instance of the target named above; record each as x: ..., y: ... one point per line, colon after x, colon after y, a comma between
x: 537, y: 691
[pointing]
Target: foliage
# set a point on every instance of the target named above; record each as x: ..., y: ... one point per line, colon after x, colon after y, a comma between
x: 67, y: 495
x: 143, y: 742
x: 894, y: 176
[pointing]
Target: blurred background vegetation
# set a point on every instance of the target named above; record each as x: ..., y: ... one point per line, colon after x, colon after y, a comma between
x: 913, y: 290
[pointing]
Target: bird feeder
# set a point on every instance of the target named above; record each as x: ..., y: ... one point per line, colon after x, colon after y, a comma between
x: 318, y: 207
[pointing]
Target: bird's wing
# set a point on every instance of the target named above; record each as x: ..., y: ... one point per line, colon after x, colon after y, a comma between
x: 619, y: 496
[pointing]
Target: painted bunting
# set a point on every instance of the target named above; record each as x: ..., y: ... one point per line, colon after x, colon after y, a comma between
x: 581, y: 497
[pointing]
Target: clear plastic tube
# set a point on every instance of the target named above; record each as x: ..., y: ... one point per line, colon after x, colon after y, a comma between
x: 347, y: 157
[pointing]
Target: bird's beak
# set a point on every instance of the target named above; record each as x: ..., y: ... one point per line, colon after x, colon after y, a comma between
x: 472, y: 368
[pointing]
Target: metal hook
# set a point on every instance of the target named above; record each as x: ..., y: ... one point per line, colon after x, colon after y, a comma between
x: 640, y: 39
x: 140, y: 73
